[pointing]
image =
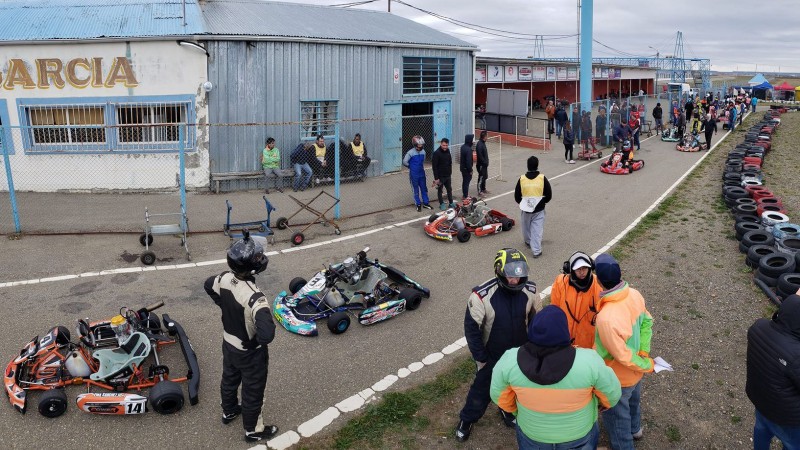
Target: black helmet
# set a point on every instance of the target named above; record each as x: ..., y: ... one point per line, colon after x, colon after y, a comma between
x: 510, y: 262
x: 246, y: 257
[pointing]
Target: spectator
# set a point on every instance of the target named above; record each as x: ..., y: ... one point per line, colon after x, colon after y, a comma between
x: 271, y: 164
x: 300, y: 158
x: 551, y: 114
x: 496, y: 320
x: 615, y: 115
x: 753, y: 103
x: 482, y: 164
x: 415, y: 160
x: 635, y: 126
x: 576, y: 123
x: 621, y: 133
x: 586, y: 131
x: 624, y: 329
x: 532, y: 193
x: 577, y: 292
x: 600, y: 124
x: 689, y: 108
x: 359, y: 149
x: 574, y: 382
x: 681, y: 124
x: 442, y: 165
x: 742, y: 110
x: 320, y: 151
x: 465, y: 165
x: 709, y: 127
x: 732, y: 117
x: 658, y: 115
x: 569, y: 142
x: 561, y: 119
x: 773, y: 376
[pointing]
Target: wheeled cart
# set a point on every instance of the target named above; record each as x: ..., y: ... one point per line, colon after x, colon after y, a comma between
x: 256, y: 228
x: 178, y: 229
x: 297, y: 238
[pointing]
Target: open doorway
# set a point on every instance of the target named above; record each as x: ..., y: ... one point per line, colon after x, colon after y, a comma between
x: 418, y: 121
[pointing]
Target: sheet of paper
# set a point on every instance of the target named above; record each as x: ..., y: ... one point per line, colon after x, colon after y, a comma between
x: 661, y: 364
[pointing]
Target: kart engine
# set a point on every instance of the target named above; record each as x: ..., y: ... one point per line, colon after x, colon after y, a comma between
x: 351, y: 272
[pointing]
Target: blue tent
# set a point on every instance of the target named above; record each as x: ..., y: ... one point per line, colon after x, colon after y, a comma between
x: 763, y: 86
x: 756, y: 80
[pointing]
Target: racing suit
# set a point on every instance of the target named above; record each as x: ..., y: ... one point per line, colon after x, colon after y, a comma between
x: 496, y: 320
x: 247, y: 329
x: 415, y: 160
x: 482, y: 164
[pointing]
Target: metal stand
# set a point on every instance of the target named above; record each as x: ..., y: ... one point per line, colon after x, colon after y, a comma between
x: 297, y: 238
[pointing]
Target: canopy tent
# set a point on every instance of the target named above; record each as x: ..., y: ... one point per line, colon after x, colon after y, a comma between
x: 756, y: 80
x: 784, y: 87
x: 763, y: 86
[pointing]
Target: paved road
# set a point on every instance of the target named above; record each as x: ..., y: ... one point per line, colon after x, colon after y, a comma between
x: 309, y: 375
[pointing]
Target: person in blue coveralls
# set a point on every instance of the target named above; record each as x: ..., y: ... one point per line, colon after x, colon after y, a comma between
x: 415, y: 160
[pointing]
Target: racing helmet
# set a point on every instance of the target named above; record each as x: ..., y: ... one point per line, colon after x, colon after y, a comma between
x: 418, y: 141
x: 626, y: 145
x: 510, y: 262
x: 450, y: 214
x: 246, y: 257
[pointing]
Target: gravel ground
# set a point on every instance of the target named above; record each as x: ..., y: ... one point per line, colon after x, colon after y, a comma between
x: 700, y: 293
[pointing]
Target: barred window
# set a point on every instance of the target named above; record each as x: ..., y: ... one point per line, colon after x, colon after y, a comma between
x: 160, y: 122
x: 318, y: 117
x: 428, y: 75
x: 67, y: 125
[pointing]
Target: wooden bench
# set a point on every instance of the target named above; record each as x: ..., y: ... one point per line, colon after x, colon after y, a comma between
x: 218, y: 177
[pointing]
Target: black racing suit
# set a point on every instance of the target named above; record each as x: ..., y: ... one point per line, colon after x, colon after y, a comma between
x: 248, y: 328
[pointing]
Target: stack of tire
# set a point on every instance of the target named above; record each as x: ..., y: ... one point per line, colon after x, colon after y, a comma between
x: 770, y: 242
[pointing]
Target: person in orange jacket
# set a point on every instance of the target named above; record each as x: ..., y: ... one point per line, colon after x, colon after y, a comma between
x: 624, y: 330
x: 577, y: 293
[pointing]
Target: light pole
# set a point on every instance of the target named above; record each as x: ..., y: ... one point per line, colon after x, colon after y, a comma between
x: 658, y: 68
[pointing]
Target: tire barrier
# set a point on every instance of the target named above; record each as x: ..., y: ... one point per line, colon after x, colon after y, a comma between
x: 755, y: 253
x: 783, y: 230
x: 756, y: 237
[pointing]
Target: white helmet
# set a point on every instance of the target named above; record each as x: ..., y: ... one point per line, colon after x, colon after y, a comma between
x: 418, y: 141
x: 450, y: 214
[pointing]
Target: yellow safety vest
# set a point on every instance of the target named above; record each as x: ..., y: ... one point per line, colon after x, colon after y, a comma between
x: 532, y: 192
x: 358, y: 150
x: 320, y: 151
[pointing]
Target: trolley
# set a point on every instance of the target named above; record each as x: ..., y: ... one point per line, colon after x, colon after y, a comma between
x: 256, y: 228
x: 297, y: 238
x: 178, y: 229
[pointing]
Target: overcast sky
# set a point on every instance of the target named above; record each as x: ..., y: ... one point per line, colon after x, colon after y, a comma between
x: 734, y: 34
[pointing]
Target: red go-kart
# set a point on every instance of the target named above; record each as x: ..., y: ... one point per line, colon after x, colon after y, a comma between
x: 466, y: 218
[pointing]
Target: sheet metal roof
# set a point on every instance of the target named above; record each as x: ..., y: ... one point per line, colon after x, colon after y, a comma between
x: 46, y: 20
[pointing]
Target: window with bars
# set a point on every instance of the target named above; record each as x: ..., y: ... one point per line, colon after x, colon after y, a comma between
x: 428, y: 75
x: 67, y: 125
x: 318, y: 117
x: 159, y: 123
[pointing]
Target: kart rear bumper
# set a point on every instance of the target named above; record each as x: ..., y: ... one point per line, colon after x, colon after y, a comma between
x: 174, y: 328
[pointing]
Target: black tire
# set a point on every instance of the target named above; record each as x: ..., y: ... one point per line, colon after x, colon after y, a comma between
x: 296, y: 284
x: 282, y: 223
x: 166, y: 397
x: 769, y: 281
x: 743, y: 248
x: 433, y: 217
x: 144, y: 236
x: 506, y: 223
x: 339, y: 322
x: 756, y: 252
x: 745, y: 201
x: 758, y: 237
x: 744, y: 227
x: 789, y: 283
x: 148, y: 258
x: 751, y: 210
x: 746, y: 218
x: 776, y: 264
x: 412, y: 297
x: 298, y: 238
x: 53, y: 403
x: 463, y: 235
x: 789, y: 245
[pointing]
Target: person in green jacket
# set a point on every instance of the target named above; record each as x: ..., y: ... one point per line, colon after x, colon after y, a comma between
x: 271, y: 163
x: 553, y: 388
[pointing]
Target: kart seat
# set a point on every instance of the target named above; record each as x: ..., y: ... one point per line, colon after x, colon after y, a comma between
x: 113, y: 361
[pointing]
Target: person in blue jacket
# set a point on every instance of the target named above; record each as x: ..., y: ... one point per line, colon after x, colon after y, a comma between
x: 415, y: 160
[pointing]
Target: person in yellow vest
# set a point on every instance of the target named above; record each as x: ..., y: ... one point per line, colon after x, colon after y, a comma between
x: 319, y: 151
x: 532, y: 194
x: 360, y: 152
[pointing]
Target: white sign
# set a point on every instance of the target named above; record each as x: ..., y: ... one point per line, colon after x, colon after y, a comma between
x: 539, y: 73
x: 511, y: 73
x: 480, y: 74
x: 396, y: 75
x: 525, y: 73
x: 495, y: 73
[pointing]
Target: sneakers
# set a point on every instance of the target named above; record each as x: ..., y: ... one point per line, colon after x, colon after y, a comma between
x: 463, y: 430
x: 442, y: 206
x: 572, y: 161
x: 452, y: 204
x: 256, y: 436
x: 639, y: 434
x: 508, y: 419
x: 427, y: 206
x: 229, y: 417
x: 536, y: 255
x: 566, y: 161
x: 419, y: 208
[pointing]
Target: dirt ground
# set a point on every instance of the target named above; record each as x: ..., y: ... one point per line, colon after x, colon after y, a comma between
x: 700, y: 293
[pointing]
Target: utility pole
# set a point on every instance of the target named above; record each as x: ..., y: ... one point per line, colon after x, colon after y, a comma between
x: 390, y: 5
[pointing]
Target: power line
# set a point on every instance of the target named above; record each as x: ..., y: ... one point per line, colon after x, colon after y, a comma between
x: 347, y: 5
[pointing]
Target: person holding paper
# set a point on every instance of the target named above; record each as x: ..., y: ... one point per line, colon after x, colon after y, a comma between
x: 624, y: 330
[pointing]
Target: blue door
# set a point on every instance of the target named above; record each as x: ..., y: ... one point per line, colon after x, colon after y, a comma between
x: 392, y: 137
x: 442, y: 122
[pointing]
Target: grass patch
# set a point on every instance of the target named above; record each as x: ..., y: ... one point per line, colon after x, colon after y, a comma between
x: 673, y: 434
x: 397, y: 410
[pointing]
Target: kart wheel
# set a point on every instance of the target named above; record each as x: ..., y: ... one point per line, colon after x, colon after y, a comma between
x: 339, y: 322
x: 166, y: 397
x: 413, y: 298
x: 282, y: 223
x: 298, y: 238
x: 53, y: 403
x: 337, y: 231
x: 432, y: 218
x: 599, y: 155
x: 296, y: 284
x: 463, y: 235
x: 506, y: 223
x: 148, y: 258
x: 144, y: 236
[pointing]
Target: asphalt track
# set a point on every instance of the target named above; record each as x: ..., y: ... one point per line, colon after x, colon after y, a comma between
x: 308, y: 376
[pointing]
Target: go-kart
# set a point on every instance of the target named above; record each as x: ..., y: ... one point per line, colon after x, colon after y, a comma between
x: 690, y: 143
x: 468, y: 217
x: 111, y: 355
x: 670, y: 135
x: 618, y: 164
x: 357, y: 285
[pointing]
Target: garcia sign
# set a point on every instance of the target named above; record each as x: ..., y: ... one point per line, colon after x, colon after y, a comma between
x: 78, y: 72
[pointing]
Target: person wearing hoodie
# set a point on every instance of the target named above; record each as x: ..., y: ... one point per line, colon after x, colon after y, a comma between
x: 577, y: 292
x: 569, y: 142
x: 624, y: 330
x: 561, y: 119
x: 465, y: 164
x: 532, y: 193
x: 498, y: 313
x: 415, y: 161
x: 553, y: 388
x: 442, y: 165
x: 482, y: 163
x: 773, y: 376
